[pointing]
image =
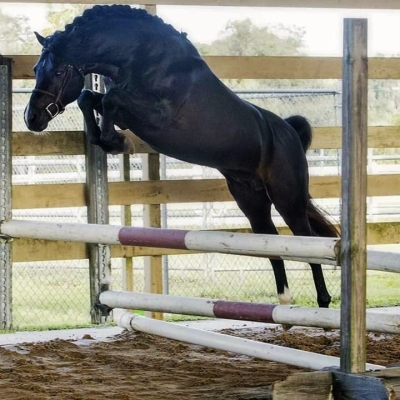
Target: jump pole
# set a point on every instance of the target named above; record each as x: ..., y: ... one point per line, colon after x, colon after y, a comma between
x: 236, y: 310
x: 294, y: 248
x: 251, y: 348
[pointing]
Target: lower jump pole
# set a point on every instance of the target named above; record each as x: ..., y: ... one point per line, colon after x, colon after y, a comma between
x: 251, y: 348
x: 257, y: 312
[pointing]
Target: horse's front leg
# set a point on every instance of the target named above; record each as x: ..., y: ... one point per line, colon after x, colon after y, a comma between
x: 114, y: 141
x: 89, y: 102
x: 145, y: 108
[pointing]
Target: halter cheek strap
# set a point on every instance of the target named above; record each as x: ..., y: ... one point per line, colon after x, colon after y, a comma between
x: 57, y: 107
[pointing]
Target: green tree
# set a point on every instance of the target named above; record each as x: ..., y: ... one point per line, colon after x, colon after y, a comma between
x: 58, y: 16
x: 16, y: 36
x: 243, y: 38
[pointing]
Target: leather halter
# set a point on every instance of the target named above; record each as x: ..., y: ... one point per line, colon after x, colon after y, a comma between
x: 57, y: 107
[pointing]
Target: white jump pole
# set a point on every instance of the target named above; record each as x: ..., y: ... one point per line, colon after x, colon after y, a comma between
x: 251, y: 348
x: 297, y: 248
x: 388, y: 261
x: 258, y: 312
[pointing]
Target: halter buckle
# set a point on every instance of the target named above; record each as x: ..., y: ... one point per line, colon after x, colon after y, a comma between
x: 56, y: 111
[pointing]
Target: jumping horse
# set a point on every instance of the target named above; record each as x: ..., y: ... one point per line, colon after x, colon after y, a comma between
x: 159, y: 87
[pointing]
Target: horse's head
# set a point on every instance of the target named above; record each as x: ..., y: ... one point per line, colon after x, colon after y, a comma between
x: 58, y: 83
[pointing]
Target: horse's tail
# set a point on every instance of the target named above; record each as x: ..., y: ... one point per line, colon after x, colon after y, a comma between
x: 317, y: 217
x: 303, y: 128
x: 319, y: 222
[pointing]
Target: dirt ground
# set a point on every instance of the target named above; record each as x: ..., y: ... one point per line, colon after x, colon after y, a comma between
x: 140, y: 366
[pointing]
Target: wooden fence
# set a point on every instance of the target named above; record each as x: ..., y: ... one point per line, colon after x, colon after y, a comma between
x: 155, y: 192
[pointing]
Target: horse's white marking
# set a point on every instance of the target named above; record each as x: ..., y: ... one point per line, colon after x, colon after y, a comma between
x: 26, y: 114
x: 285, y: 297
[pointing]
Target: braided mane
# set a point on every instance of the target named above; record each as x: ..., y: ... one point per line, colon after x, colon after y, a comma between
x: 99, y: 12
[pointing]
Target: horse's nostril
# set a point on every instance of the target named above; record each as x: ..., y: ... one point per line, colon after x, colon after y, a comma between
x: 32, y: 118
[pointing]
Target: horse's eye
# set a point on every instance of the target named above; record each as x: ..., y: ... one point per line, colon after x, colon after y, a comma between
x: 58, y: 74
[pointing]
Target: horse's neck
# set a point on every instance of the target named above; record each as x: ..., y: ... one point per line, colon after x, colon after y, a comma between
x: 137, y: 62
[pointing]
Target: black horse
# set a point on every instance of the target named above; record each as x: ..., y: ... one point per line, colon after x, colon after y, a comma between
x: 159, y: 87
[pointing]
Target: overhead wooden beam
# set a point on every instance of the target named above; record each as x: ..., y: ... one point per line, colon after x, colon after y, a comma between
x: 359, y: 4
x: 253, y: 67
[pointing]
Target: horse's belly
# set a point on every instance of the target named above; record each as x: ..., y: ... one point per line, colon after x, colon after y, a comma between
x: 222, y: 150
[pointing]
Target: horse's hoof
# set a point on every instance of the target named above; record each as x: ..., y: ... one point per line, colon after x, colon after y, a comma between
x: 286, y: 327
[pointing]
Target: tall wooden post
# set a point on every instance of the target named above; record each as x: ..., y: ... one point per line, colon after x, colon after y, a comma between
x: 5, y: 190
x: 97, y: 203
x: 126, y: 220
x: 354, y: 192
x: 152, y: 218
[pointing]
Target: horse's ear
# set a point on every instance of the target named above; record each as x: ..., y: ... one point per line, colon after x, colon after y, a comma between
x: 40, y: 38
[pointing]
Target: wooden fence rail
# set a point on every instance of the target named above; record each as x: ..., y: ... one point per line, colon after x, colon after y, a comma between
x: 261, y: 67
x: 196, y: 190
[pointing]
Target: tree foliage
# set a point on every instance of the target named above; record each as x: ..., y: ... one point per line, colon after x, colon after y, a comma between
x: 16, y: 36
x: 58, y: 16
x: 243, y: 38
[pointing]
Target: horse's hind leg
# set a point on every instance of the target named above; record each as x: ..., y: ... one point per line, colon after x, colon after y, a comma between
x: 256, y: 206
x: 291, y: 199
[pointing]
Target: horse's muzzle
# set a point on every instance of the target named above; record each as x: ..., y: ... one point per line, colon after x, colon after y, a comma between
x: 36, y: 122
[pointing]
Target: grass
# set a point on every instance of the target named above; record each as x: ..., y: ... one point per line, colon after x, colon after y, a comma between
x: 58, y: 298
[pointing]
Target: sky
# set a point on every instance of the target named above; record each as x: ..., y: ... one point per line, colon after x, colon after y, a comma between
x: 323, y: 26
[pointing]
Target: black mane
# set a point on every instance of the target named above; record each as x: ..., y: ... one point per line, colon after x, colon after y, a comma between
x: 98, y: 12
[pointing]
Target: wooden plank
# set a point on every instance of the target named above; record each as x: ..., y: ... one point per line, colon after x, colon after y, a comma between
x: 54, y: 143
x: 29, y: 250
x: 391, y: 376
x: 359, y: 4
x: 304, y: 386
x: 169, y: 191
x: 176, y: 191
x: 60, y: 143
x: 353, y: 253
x: 261, y: 67
x: 378, y: 137
x: 72, y: 142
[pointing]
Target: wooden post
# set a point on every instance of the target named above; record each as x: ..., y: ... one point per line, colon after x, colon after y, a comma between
x: 97, y: 204
x: 152, y: 218
x: 126, y: 220
x: 354, y: 191
x: 5, y: 190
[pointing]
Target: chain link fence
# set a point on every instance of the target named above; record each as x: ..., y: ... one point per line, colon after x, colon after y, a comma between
x: 56, y: 294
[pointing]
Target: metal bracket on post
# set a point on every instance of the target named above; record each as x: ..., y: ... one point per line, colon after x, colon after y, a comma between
x: 97, y: 203
x: 5, y: 190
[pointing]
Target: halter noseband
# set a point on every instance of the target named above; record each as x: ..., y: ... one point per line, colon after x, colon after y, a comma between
x: 56, y: 108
